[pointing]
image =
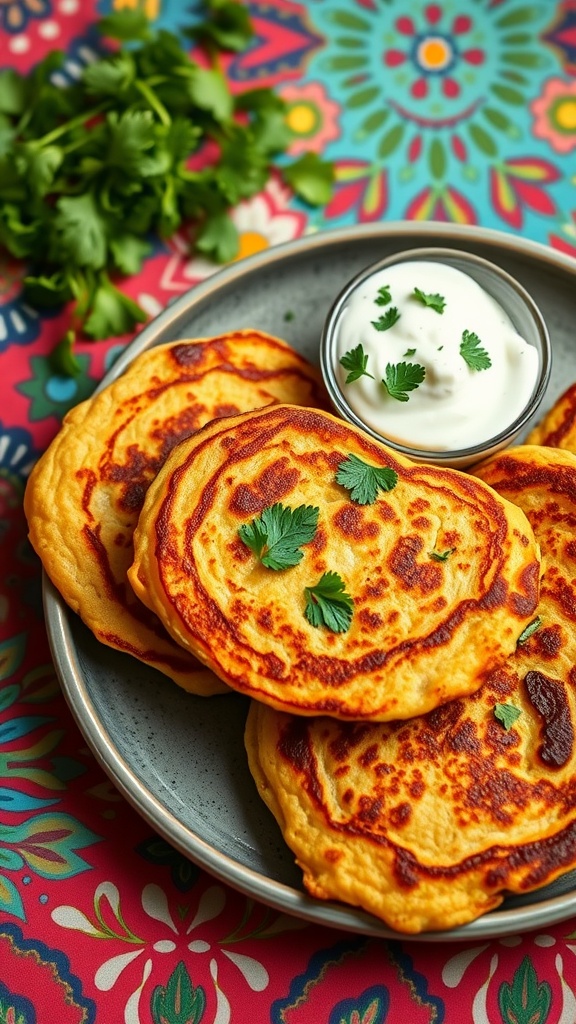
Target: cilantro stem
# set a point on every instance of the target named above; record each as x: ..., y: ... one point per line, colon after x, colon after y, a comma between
x: 151, y: 97
x: 74, y: 122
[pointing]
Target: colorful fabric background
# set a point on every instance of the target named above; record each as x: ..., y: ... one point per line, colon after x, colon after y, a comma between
x: 456, y: 111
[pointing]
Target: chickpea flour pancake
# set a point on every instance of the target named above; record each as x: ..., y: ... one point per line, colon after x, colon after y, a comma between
x: 408, y: 583
x: 430, y: 823
x: 85, y: 493
x: 557, y: 429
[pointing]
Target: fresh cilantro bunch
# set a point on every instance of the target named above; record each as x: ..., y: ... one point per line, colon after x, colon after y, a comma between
x: 91, y: 172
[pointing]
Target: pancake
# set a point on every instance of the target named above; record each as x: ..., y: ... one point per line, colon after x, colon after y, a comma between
x: 429, y: 823
x: 442, y: 572
x: 85, y: 493
x: 557, y: 429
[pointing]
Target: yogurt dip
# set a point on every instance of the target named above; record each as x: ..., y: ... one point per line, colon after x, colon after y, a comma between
x: 427, y: 358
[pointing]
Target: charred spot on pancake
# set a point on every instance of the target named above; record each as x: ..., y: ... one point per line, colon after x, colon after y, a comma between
x: 547, y: 641
x: 549, y: 698
x: 371, y: 620
x: 570, y: 549
x: 399, y: 815
x: 273, y: 483
x: 352, y: 523
x: 239, y: 551
x: 187, y: 355
x: 385, y: 511
x: 403, y: 563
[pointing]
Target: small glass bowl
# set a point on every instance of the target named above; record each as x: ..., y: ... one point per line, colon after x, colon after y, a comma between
x: 506, y: 291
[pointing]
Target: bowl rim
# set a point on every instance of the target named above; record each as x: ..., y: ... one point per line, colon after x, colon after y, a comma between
x: 435, y: 254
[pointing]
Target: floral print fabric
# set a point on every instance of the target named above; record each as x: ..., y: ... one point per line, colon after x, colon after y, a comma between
x: 456, y: 111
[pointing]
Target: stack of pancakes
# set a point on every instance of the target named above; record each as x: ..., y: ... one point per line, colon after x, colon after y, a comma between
x: 419, y: 758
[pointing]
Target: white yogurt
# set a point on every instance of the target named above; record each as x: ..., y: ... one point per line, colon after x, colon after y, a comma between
x: 455, y: 406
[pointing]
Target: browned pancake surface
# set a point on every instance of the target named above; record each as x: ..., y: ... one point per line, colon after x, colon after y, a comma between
x: 428, y: 823
x: 85, y: 494
x: 443, y: 573
x: 557, y: 429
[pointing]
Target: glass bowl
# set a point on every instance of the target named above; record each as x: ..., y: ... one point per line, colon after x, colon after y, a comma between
x: 511, y: 297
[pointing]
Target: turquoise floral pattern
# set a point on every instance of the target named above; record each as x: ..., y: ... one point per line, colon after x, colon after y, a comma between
x: 440, y: 111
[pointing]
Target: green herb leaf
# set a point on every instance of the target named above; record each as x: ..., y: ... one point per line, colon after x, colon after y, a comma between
x: 402, y: 378
x: 384, y: 296
x: 409, y: 352
x: 441, y: 556
x: 529, y: 630
x: 432, y: 299
x: 387, y: 320
x: 125, y: 25
x: 311, y: 178
x: 476, y: 357
x: 62, y: 358
x: 328, y: 604
x: 229, y: 28
x: 356, y: 361
x: 277, y: 535
x: 364, y: 481
x: 92, y: 173
x: 507, y: 714
x: 111, y: 311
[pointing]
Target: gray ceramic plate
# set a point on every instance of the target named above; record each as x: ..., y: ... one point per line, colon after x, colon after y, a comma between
x: 180, y: 759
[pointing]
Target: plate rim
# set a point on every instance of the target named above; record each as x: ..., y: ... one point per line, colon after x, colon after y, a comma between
x: 58, y: 618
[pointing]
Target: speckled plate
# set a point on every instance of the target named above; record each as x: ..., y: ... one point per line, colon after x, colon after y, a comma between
x: 180, y: 759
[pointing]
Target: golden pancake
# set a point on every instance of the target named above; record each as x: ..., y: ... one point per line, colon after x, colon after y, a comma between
x: 557, y: 429
x: 441, y: 574
x: 428, y: 823
x: 85, y: 493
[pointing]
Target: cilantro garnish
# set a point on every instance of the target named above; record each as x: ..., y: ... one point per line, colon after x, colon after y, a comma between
x: 507, y: 714
x: 356, y: 361
x: 470, y: 350
x: 278, y: 533
x: 328, y: 604
x: 409, y: 352
x: 402, y: 378
x: 384, y: 296
x: 92, y: 173
x: 529, y: 630
x: 441, y: 556
x: 364, y: 481
x: 432, y: 299
x: 387, y: 320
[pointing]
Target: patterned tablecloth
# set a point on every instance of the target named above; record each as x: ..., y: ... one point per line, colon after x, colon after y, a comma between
x: 462, y: 111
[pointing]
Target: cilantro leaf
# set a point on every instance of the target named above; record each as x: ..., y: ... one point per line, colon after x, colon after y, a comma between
x: 278, y: 533
x: 507, y: 714
x: 529, y: 630
x: 125, y: 25
x: 62, y: 358
x: 409, y: 352
x: 311, y: 178
x: 384, y: 296
x: 441, y: 556
x: 229, y: 28
x: 387, y: 320
x: 81, y: 230
x: 402, y: 378
x: 432, y: 299
x: 364, y: 481
x: 328, y: 604
x: 218, y: 238
x: 356, y: 361
x: 92, y: 173
x: 110, y: 75
x: 476, y: 357
x: 111, y: 311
